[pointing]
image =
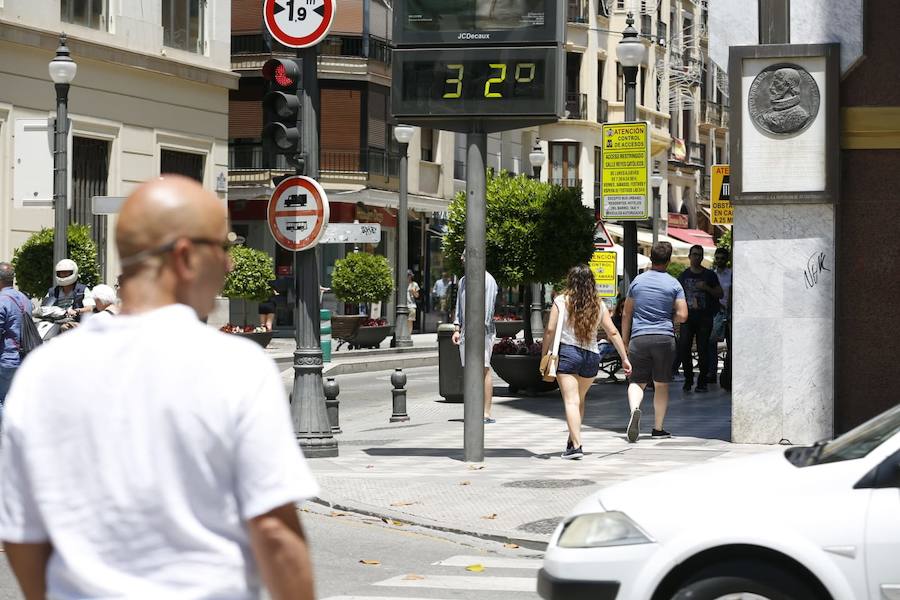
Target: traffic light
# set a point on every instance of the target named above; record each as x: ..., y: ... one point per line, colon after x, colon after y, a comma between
x: 282, y: 108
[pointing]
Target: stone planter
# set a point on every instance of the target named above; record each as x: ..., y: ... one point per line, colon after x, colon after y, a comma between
x: 370, y: 337
x: 520, y: 372
x: 508, y: 328
x: 263, y: 338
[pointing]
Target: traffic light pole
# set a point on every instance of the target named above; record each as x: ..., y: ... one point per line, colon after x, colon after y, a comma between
x: 308, y: 411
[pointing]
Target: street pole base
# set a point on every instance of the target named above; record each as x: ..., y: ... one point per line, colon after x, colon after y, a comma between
x: 318, y: 447
x: 399, y: 418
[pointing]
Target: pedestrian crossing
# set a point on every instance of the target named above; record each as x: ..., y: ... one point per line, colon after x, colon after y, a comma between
x: 460, y: 576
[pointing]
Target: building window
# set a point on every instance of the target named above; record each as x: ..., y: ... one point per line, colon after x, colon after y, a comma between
x: 564, y: 164
x: 183, y: 24
x: 90, y: 172
x: 88, y: 13
x: 181, y: 163
x: 428, y: 145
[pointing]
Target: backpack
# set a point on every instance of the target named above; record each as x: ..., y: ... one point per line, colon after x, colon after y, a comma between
x: 29, y: 338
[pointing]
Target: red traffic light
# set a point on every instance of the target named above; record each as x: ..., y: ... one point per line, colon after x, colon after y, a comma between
x: 284, y: 73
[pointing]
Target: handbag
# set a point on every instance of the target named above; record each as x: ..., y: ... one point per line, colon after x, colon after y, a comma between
x: 550, y: 360
x: 30, y: 338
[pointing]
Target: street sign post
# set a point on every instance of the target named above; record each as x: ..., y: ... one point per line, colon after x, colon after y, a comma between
x: 298, y: 213
x: 299, y: 23
x: 602, y: 239
x: 352, y: 233
x: 721, y: 210
x: 626, y: 161
x: 604, y: 265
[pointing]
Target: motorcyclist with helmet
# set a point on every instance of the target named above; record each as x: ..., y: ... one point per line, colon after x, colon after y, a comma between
x: 67, y: 292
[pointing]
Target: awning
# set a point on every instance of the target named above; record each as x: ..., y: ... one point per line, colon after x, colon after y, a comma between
x: 680, y: 249
x: 387, y: 199
x: 693, y: 236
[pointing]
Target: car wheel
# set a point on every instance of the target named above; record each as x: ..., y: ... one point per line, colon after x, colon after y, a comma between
x: 733, y: 581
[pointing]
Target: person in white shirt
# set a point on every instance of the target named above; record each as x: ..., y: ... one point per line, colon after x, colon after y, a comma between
x: 169, y: 469
x: 724, y: 273
x: 441, y: 291
x: 412, y: 294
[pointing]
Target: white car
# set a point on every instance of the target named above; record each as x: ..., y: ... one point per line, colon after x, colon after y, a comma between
x: 806, y: 523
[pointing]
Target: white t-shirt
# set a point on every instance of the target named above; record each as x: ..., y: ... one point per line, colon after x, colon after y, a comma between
x: 725, y: 281
x: 138, y: 447
x: 568, y: 331
x: 411, y: 290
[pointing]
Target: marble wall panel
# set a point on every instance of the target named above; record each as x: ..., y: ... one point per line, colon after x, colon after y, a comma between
x: 808, y: 376
x: 757, y: 380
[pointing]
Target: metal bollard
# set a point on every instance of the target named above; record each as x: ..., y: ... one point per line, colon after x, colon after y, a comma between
x: 398, y: 380
x: 332, y: 390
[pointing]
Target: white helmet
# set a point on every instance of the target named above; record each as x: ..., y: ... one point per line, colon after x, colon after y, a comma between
x: 65, y: 264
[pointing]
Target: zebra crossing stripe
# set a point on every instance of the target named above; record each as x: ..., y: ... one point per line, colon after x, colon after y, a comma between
x: 491, y: 562
x: 464, y: 582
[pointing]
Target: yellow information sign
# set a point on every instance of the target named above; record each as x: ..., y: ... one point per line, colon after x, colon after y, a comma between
x: 721, y: 210
x: 603, y: 264
x: 626, y: 159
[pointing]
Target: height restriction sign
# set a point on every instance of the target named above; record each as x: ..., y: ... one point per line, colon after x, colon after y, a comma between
x: 299, y: 23
x: 721, y: 210
x: 626, y: 158
x: 298, y: 213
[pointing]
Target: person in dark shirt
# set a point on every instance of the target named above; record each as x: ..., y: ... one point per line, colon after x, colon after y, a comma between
x: 702, y: 292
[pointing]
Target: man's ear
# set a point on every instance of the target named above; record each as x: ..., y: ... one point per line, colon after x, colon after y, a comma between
x: 182, y: 259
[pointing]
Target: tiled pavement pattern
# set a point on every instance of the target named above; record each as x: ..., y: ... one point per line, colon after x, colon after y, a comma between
x: 415, y: 472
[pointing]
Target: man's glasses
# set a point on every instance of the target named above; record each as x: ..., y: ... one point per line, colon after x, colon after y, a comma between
x: 143, y: 255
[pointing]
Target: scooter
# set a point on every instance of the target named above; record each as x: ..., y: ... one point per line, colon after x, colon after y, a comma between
x: 49, y: 321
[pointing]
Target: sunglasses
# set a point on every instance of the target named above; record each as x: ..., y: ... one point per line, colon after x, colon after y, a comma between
x: 225, y: 245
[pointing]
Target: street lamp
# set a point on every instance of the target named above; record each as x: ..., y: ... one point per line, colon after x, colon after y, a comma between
x: 631, y: 53
x: 62, y: 71
x: 537, y: 158
x: 656, y: 181
x: 402, y: 338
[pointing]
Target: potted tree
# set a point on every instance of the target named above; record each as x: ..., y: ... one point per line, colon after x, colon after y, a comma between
x: 362, y: 278
x: 33, y: 261
x: 250, y: 279
x: 535, y: 233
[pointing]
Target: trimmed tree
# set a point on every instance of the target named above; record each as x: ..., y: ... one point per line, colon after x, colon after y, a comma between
x: 535, y: 232
x: 251, y: 276
x: 362, y: 278
x: 33, y: 261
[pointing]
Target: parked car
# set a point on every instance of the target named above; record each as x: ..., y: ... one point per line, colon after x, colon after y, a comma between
x: 806, y: 523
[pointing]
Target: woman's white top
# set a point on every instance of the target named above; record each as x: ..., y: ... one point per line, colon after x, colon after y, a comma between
x: 568, y: 330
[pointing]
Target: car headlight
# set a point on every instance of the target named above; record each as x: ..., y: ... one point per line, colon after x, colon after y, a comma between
x: 596, y: 530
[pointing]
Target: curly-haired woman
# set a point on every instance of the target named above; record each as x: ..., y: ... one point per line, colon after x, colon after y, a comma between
x: 582, y: 313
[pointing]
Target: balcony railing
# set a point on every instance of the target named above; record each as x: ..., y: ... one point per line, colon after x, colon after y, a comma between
x: 577, y: 11
x: 576, y: 106
x: 697, y: 154
x: 646, y: 25
x: 568, y: 182
x: 374, y: 161
x: 710, y: 112
x: 602, y: 110
x: 333, y: 45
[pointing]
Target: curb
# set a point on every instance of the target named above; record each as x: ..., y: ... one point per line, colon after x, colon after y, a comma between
x: 522, y: 540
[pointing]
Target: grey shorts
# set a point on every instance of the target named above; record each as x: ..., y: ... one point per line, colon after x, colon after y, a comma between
x: 651, y: 358
x: 488, y: 350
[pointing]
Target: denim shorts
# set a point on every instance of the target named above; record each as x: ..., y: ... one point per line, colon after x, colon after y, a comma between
x: 577, y: 361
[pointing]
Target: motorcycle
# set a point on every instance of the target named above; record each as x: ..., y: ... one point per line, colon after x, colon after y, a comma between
x: 50, y: 321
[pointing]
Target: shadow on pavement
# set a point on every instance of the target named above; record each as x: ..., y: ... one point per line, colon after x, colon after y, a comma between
x: 453, y: 453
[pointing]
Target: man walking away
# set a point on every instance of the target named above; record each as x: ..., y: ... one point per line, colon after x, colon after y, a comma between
x: 654, y: 300
x: 702, y: 292
x: 169, y: 469
x: 14, y: 307
x: 723, y: 272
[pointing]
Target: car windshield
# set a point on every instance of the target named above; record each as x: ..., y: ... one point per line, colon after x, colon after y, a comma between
x: 858, y: 442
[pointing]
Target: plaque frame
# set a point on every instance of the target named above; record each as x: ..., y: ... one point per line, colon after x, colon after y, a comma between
x: 829, y: 110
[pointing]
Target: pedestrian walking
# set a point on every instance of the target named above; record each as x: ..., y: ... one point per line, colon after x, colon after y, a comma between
x: 412, y: 296
x: 702, y: 292
x: 578, y: 313
x: 14, y: 308
x: 490, y: 300
x: 169, y: 469
x: 655, y: 299
x: 105, y: 301
x: 722, y: 317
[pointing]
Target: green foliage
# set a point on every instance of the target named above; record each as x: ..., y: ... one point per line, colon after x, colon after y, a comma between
x: 362, y: 277
x: 33, y: 261
x: 675, y: 269
x: 535, y: 231
x: 251, y: 277
x: 726, y: 242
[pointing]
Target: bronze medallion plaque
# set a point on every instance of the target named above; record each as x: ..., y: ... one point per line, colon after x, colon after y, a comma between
x: 783, y: 99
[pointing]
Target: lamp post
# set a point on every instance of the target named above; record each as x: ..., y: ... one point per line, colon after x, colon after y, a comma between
x: 402, y: 339
x: 537, y: 158
x: 62, y: 71
x: 656, y: 181
x: 631, y: 53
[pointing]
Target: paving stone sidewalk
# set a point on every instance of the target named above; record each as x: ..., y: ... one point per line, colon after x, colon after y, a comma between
x: 415, y: 472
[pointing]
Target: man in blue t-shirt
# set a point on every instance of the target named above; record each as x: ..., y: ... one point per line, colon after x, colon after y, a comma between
x: 13, y: 308
x: 654, y: 300
x: 702, y: 291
